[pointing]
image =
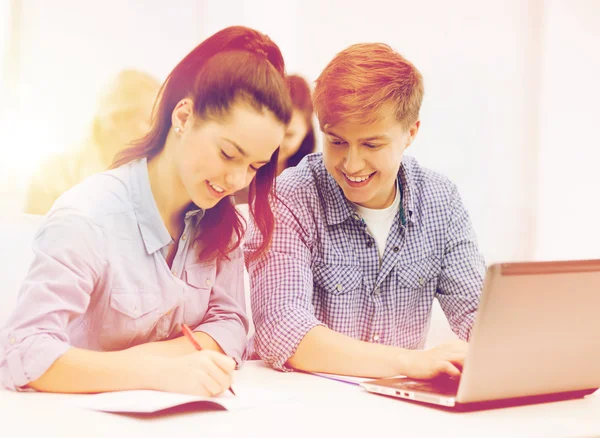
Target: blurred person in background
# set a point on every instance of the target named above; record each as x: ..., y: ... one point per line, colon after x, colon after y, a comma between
x: 299, y: 140
x: 122, y: 115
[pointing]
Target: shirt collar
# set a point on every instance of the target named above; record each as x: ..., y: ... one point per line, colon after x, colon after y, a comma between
x: 407, y: 190
x: 338, y: 208
x: 154, y: 232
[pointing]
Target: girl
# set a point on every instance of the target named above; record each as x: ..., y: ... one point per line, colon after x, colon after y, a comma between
x: 299, y: 140
x: 125, y: 258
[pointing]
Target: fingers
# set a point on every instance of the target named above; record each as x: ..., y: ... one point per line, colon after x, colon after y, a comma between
x: 207, y: 384
x: 213, y: 369
x: 220, y: 378
x: 449, y: 369
x: 225, y: 363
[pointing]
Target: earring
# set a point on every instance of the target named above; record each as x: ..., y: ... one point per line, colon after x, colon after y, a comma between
x: 177, y: 129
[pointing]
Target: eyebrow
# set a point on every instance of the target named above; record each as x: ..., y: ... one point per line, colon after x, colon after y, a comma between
x: 241, y: 151
x: 375, y: 137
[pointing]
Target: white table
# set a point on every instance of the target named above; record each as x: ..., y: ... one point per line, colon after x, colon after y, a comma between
x: 318, y: 407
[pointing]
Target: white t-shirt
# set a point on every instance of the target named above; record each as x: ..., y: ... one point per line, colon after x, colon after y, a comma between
x: 379, y: 222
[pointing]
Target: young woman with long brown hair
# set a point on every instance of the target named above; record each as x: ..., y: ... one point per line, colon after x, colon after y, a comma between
x: 128, y: 256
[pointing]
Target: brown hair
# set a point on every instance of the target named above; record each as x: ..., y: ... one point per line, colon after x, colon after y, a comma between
x: 235, y: 63
x: 361, y: 79
x: 301, y: 100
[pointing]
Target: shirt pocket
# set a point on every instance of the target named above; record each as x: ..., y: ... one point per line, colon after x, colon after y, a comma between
x: 336, y: 299
x: 419, y: 274
x: 200, y: 279
x: 337, y: 279
x: 201, y: 276
x: 417, y: 283
x: 134, y: 305
x: 130, y: 319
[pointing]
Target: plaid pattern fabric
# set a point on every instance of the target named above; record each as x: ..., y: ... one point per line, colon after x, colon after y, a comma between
x: 323, y: 267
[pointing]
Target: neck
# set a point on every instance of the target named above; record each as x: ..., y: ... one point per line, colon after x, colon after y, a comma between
x: 168, y: 191
x: 280, y: 167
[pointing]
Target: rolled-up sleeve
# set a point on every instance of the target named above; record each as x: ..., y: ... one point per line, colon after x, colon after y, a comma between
x: 226, y: 320
x: 463, y: 270
x: 281, y: 284
x: 66, y: 265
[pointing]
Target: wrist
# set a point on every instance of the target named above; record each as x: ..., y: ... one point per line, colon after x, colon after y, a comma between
x: 149, y: 371
x: 404, y: 361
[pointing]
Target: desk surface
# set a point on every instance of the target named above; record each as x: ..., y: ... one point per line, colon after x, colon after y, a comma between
x: 317, y: 407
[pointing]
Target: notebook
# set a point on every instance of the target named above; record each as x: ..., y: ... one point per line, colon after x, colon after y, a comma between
x: 148, y: 401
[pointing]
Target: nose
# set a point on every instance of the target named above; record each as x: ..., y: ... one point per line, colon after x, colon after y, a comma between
x: 353, y: 161
x: 236, y: 179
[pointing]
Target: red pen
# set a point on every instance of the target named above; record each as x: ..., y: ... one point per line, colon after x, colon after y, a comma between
x: 188, y: 334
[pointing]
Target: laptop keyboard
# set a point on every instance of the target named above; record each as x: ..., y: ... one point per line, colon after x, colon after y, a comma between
x: 444, y: 386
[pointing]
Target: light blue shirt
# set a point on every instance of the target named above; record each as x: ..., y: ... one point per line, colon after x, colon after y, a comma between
x: 100, y: 281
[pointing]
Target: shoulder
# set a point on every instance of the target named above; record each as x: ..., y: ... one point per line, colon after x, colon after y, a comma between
x: 428, y: 186
x: 304, y: 185
x: 97, y: 197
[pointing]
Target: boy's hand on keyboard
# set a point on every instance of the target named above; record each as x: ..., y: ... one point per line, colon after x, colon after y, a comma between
x: 445, y: 359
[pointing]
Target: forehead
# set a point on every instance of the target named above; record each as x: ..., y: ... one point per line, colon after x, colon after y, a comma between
x: 383, y: 125
x: 257, y: 133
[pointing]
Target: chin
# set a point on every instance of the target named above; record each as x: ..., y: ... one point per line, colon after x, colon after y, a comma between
x: 356, y: 199
x: 204, y: 204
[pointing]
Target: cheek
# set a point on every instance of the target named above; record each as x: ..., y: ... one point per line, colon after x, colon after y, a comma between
x: 330, y: 157
x: 387, y: 164
x: 193, y: 163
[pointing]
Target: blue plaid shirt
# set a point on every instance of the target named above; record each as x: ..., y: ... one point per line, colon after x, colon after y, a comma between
x: 323, y: 267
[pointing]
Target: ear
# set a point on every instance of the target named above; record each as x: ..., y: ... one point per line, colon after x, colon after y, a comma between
x: 183, y: 115
x: 412, y: 132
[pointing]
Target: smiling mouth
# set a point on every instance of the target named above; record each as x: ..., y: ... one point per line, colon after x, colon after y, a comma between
x: 218, y: 190
x: 358, y: 179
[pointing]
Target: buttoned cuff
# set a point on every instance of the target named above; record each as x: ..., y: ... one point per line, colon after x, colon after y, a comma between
x: 30, y: 359
x: 464, y: 331
x: 285, y: 338
x: 230, y: 336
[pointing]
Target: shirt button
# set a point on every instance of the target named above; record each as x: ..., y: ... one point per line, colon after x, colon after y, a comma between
x: 421, y: 281
x: 208, y: 282
x: 369, y: 244
x: 396, y: 249
x: 183, y: 237
x: 12, y: 341
x: 338, y: 287
x: 376, y: 291
x: 174, y: 272
x: 376, y: 338
x: 355, y: 217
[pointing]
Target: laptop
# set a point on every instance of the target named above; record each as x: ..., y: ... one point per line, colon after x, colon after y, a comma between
x: 536, y: 338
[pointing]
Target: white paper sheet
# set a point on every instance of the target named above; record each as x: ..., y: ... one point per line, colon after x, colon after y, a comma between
x: 347, y: 379
x: 147, y: 401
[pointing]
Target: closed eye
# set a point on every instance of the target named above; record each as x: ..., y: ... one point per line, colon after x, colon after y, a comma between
x: 224, y: 155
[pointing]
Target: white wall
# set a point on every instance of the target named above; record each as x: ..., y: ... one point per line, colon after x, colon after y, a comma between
x: 510, y: 91
x: 69, y: 50
x: 568, y: 205
x: 479, y: 60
